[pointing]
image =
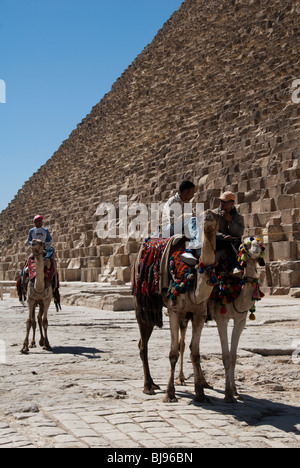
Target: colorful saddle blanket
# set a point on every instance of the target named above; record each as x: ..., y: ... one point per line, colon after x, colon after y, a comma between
x: 148, y: 274
x: 48, y: 272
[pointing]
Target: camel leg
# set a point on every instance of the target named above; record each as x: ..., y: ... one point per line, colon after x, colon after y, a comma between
x: 173, y: 356
x: 43, y: 324
x: 200, y: 382
x: 239, y: 326
x: 29, y: 323
x: 33, y: 324
x: 181, y: 378
x: 222, y: 323
x: 146, y: 330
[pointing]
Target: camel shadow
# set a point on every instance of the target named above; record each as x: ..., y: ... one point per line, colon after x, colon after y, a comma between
x: 254, y: 412
x: 90, y: 353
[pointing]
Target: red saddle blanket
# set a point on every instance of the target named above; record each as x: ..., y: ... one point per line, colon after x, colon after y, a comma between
x: 48, y: 272
x: 148, y: 274
x: 178, y: 267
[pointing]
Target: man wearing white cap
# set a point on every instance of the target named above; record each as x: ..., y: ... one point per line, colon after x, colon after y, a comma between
x: 231, y: 228
x: 39, y: 232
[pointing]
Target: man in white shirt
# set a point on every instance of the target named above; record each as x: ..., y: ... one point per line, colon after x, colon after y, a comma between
x: 178, y: 218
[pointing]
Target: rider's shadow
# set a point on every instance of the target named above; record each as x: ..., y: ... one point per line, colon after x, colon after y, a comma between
x: 90, y: 353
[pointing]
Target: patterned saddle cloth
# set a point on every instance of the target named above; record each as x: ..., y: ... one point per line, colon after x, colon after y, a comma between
x: 48, y: 272
x: 148, y: 274
x: 149, y: 268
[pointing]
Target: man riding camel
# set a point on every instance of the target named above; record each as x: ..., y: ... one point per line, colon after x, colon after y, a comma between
x: 231, y: 228
x: 179, y: 218
x: 39, y: 232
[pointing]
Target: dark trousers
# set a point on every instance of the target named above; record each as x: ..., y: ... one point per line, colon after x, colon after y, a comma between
x: 223, y: 244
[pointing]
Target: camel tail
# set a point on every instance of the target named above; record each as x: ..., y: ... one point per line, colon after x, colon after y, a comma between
x: 149, y: 309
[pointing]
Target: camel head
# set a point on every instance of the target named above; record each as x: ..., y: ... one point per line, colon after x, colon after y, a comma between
x: 253, y: 249
x: 211, y: 222
x: 37, y: 247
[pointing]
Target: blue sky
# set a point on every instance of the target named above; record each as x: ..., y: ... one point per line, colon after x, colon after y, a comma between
x: 58, y: 58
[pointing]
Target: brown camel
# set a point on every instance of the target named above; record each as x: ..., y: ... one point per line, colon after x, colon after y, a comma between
x: 189, y: 306
x: 39, y: 293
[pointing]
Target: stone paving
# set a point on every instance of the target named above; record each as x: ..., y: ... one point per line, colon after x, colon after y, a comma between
x: 88, y: 391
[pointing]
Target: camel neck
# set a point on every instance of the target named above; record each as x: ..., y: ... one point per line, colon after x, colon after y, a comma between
x: 39, y: 279
x: 250, y: 269
x: 208, y: 253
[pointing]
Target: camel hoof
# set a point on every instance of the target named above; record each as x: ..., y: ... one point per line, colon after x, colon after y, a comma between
x: 155, y: 387
x: 148, y: 391
x: 202, y: 399
x: 47, y: 348
x: 33, y: 345
x: 25, y: 351
x: 180, y: 382
x: 167, y: 399
x: 208, y: 386
x: 230, y: 399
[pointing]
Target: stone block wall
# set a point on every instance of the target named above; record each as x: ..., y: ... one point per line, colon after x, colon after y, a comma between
x: 210, y: 100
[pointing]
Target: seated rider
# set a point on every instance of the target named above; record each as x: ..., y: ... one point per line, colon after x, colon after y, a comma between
x: 178, y: 218
x: 231, y: 230
x: 41, y: 233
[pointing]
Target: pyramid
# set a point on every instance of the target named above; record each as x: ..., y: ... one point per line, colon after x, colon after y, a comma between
x: 211, y: 99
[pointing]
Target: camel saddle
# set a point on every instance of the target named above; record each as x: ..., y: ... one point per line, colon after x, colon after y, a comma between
x: 154, y: 261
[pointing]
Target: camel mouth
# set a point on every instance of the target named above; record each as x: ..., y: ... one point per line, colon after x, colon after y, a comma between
x: 209, y: 217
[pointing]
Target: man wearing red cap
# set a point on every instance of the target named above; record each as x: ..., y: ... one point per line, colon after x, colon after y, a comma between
x: 39, y: 232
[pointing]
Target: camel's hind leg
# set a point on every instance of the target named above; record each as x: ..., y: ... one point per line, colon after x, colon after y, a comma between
x: 146, y: 329
x: 181, y: 378
x: 174, y: 354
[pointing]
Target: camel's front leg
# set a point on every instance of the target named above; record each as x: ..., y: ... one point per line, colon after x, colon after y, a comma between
x: 222, y: 323
x: 181, y: 378
x: 239, y: 325
x: 43, y: 324
x: 200, y: 382
x: 29, y: 323
x: 174, y: 354
x: 33, y: 324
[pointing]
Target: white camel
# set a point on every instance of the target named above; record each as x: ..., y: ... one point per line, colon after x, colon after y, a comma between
x: 237, y: 311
